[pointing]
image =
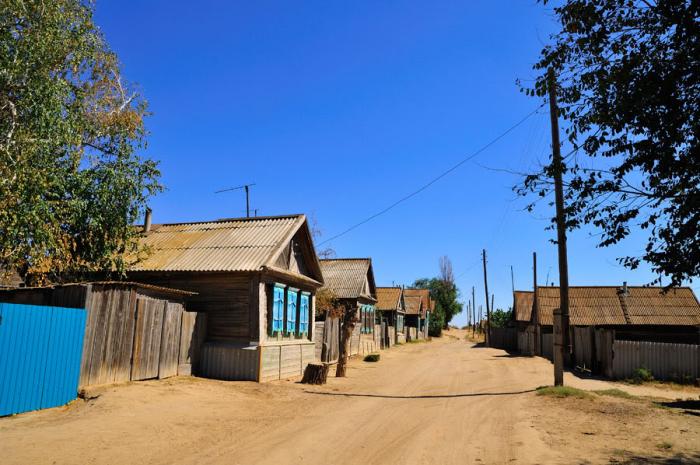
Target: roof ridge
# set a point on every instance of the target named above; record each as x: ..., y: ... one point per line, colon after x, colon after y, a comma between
x: 229, y: 220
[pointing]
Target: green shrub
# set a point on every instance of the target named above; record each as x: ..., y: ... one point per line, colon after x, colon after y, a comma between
x: 562, y: 391
x: 642, y: 375
x: 614, y: 393
x: 371, y: 358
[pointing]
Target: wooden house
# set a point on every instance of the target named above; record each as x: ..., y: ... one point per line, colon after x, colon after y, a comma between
x: 390, y: 307
x: 601, y: 316
x: 255, y: 278
x: 522, y: 317
x: 413, y: 303
x: 351, y: 280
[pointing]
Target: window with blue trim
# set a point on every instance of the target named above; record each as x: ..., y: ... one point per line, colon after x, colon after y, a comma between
x: 292, y: 310
x: 277, y: 308
x: 304, y: 313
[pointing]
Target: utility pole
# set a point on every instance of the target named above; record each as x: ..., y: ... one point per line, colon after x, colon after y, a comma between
x: 561, y: 321
x: 535, y: 309
x: 488, y: 311
x: 512, y: 280
x: 474, y: 309
x: 247, y: 196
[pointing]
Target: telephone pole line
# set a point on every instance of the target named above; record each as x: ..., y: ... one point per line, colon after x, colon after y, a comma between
x: 474, y: 310
x: 488, y: 310
x: 561, y: 318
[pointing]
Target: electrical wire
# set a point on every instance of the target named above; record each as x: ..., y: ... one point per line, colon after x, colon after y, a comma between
x: 435, y: 179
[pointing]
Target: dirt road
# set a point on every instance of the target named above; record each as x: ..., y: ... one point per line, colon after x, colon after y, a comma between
x: 442, y: 402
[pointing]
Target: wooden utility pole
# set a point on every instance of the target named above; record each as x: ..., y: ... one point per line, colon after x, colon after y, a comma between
x: 486, y: 290
x: 561, y: 333
x: 535, y: 310
x: 474, y: 309
x: 512, y: 279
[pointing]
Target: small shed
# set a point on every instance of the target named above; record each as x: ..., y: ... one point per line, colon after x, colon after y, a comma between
x: 351, y: 280
x: 133, y: 331
x: 390, y: 307
x: 256, y: 280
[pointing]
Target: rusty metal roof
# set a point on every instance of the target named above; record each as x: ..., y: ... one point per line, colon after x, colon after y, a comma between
x: 388, y: 298
x: 522, y: 304
x: 243, y: 244
x: 650, y: 306
x: 412, y: 303
x: 349, y: 278
x: 424, y: 295
x: 609, y: 305
x: 588, y: 305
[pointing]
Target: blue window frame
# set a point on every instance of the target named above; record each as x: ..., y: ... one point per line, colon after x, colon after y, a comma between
x: 292, y: 310
x: 304, y: 313
x: 278, y: 308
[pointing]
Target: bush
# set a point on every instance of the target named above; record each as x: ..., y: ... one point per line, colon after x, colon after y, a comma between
x: 562, y: 391
x: 642, y: 375
x: 371, y: 358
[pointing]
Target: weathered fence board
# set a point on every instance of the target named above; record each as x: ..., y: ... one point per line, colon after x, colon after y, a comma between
x: 40, y: 349
x: 548, y: 345
x: 147, y: 336
x: 170, y: 340
x: 584, y: 346
x: 664, y: 360
x: 504, y: 338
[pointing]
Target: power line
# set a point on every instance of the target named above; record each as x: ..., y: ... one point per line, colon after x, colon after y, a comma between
x: 435, y: 179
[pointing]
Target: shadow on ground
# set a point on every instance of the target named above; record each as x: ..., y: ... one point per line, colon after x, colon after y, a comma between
x: 635, y: 459
x: 421, y: 396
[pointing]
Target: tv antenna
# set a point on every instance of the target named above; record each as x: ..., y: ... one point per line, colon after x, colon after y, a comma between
x: 247, y: 196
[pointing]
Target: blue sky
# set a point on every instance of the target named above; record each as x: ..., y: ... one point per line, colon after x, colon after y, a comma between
x: 338, y: 109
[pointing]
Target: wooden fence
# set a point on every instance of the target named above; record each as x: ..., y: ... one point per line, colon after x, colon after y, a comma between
x: 679, y: 362
x: 504, y: 338
x: 526, y: 340
x: 133, y: 331
x: 548, y: 345
x: 327, y: 340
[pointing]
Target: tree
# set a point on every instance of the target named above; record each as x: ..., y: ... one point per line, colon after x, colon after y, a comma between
x: 71, y: 184
x: 500, y: 318
x: 628, y: 80
x: 445, y: 294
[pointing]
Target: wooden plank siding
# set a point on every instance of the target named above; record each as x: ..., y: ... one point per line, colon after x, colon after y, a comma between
x: 147, y: 339
x: 170, y: 340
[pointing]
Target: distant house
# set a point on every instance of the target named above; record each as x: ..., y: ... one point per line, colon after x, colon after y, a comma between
x: 413, y: 303
x: 420, y: 302
x: 607, y: 321
x: 390, y: 307
x: 351, y: 280
x: 522, y: 315
x: 256, y: 279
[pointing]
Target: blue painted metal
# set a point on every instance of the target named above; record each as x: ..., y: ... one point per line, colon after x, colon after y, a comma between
x: 40, y: 353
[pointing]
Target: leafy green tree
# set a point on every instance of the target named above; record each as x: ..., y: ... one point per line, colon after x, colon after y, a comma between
x: 500, y: 318
x: 71, y: 183
x: 628, y: 85
x: 445, y: 295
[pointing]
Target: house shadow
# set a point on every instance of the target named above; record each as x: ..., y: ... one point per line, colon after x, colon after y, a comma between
x: 689, y: 407
x: 420, y: 396
x: 636, y: 459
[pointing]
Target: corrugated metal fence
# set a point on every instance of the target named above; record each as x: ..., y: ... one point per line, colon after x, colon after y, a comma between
x: 665, y: 361
x: 40, y: 352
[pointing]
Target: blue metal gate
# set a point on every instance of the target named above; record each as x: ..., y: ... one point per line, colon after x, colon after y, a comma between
x: 40, y: 353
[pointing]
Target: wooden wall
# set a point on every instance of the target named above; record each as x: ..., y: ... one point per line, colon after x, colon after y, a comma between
x: 285, y: 361
x: 225, y: 297
x: 221, y: 360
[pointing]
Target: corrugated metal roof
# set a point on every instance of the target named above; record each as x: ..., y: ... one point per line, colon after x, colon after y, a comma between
x: 650, y: 306
x: 388, y: 298
x: 346, y: 277
x: 244, y: 244
x: 412, y: 303
x: 424, y: 295
x: 587, y: 305
x: 522, y: 303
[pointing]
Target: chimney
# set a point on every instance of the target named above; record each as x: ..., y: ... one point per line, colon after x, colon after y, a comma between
x: 624, y: 288
x: 147, y: 221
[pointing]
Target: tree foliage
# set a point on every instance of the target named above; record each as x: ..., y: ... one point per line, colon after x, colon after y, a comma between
x: 628, y: 85
x: 500, y: 318
x: 445, y: 294
x: 71, y: 183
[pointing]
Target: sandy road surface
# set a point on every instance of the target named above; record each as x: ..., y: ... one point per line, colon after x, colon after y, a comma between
x: 435, y: 403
